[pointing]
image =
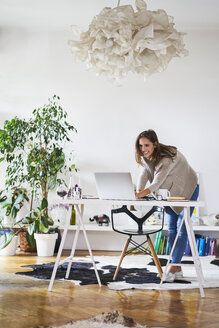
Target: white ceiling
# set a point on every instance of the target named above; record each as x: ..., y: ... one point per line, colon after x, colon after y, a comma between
x: 60, y: 14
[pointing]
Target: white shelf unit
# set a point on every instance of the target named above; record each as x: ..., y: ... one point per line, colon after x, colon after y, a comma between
x: 95, y: 227
x: 104, y: 238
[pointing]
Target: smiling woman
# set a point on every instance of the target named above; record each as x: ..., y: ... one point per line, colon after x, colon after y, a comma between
x: 36, y: 62
x: 164, y: 167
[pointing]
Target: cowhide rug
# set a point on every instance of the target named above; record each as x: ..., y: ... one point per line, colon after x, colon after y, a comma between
x: 113, y: 319
x: 137, y: 271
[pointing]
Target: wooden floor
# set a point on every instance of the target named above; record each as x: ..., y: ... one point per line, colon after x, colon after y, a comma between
x: 22, y: 306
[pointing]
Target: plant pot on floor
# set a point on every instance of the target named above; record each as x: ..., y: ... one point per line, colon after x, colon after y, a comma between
x: 24, y: 246
x: 11, y: 248
x: 45, y: 243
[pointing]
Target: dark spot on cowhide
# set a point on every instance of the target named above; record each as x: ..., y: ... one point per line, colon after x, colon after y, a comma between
x: 115, y: 317
x: 163, y: 262
x: 187, y: 262
x: 215, y: 262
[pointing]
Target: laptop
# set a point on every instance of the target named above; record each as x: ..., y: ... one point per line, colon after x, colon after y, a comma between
x: 114, y: 185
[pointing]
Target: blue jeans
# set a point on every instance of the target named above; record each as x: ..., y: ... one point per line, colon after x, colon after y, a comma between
x: 174, y: 221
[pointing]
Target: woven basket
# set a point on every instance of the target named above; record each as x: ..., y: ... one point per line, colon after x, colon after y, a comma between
x: 24, y: 246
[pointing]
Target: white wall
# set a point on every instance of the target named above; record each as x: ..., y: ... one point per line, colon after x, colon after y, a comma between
x: 181, y: 104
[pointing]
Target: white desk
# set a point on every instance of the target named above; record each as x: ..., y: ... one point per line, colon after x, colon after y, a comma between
x: 79, y: 206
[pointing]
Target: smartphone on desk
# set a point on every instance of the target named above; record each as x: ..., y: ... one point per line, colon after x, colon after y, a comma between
x: 89, y: 197
x: 148, y: 198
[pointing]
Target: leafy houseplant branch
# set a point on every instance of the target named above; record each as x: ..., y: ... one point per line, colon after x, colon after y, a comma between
x: 33, y: 149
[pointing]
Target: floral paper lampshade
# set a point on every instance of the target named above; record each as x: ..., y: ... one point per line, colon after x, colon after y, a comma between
x: 120, y: 40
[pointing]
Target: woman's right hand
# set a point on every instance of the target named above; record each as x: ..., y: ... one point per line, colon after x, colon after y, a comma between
x: 142, y: 193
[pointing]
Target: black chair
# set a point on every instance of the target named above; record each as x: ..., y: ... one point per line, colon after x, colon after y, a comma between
x: 139, y: 231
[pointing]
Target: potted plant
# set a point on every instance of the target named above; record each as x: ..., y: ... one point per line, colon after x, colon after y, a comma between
x: 34, y: 151
x: 39, y: 227
x: 8, y: 242
x: 10, y: 205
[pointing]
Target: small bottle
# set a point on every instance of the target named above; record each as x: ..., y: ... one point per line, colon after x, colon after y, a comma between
x: 73, y: 216
x: 70, y: 189
x: 77, y: 190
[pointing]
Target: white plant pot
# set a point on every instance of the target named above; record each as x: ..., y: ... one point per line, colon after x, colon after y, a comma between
x: 45, y: 243
x: 11, y: 248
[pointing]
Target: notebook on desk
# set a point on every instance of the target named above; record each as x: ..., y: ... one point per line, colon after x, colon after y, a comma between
x: 115, y: 185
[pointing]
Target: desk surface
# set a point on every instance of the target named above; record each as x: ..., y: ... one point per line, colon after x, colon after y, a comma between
x: 148, y: 203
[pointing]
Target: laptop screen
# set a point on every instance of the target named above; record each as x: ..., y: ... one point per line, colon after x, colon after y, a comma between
x: 114, y: 185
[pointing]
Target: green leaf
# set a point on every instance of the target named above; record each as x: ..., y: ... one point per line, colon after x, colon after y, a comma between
x: 30, y: 240
x: 52, y: 183
x: 6, y: 239
x: 42, y: 228
x: 13, y: 212
x: 44, y: 222
x: 36, y: 226
x: 27, y: 220
x: 19, y: 199
x: 30, y: 229
x: 50, y: 221
x: 44, y: 204
x: 19, y: 221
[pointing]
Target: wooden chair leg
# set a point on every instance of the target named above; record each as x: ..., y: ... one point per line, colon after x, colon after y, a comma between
x: 155, y: 257
x: 121, y: 258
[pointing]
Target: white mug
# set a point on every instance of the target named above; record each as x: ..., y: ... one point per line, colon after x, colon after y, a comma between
x: 162, y: 194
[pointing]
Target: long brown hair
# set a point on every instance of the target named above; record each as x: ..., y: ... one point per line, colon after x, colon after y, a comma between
x: 160, y: 150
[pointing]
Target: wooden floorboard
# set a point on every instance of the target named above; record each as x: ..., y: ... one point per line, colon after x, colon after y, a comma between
x: 25, y: 307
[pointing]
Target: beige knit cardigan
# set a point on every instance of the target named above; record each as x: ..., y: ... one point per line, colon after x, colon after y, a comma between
x: 176, y: 175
